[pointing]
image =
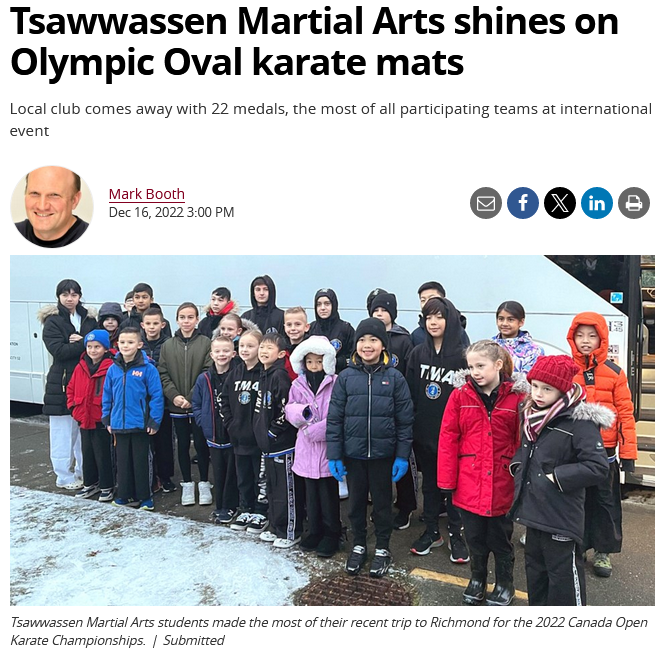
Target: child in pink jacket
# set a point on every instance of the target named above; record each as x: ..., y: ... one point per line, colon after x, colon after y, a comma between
x: 314, y: 360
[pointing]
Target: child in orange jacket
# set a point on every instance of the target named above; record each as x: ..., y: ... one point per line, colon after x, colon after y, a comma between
x: 606, y: 383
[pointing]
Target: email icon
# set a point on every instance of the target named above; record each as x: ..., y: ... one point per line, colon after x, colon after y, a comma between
x: 485, y: 203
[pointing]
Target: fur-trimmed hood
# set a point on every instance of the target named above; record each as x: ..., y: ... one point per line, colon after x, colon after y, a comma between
x: 314, y: 345
x: 246, y: 325
x: 520, y: 384
x: 233, y: 309
x: 600, y: 415
x: 49, y: 310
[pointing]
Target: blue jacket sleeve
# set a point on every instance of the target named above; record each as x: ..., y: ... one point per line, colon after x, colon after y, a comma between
x: 155, y: 392
x: 107, y: 398
x: 197, y: 399
x: 335, y: 420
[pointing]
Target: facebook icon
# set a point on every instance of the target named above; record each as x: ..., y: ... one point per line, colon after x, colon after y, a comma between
x: 523, y: 203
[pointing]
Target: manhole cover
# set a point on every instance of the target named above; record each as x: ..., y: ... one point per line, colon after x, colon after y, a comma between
x: 342, y: 590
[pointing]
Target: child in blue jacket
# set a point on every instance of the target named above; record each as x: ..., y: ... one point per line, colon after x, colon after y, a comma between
x: 132, y: 410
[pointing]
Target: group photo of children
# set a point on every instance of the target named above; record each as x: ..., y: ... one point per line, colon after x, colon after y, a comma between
x: 302, y: 430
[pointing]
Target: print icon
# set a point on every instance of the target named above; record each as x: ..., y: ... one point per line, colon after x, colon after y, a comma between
x: 523, y: 203
x: 485, y: 203
x: 634, y: 202
x: 560, y: 203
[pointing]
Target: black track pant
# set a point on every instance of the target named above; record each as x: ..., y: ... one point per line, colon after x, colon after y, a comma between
x: 285, y: 492
x: 603, y: 523
x: 374, y: 477
x: 323, y: 507
x: 184, y: 428
x: 434, y: 498
x: 163, y: 449
x: 134, y: 465
x: 96, y: 445
x: 484, y: 534
x: 554, y: 570
x: 226, y: 492
x: 248, y: 475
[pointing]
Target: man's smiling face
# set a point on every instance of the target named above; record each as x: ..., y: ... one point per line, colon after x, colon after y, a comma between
x: 50, y: 198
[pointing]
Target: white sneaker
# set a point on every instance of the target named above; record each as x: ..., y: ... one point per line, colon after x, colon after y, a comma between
x: 204, y: 493
x: 268, y: 536
x: 188, y: 493
x: 343, y: 492
x: 286, y: 544
x: 71, y: 486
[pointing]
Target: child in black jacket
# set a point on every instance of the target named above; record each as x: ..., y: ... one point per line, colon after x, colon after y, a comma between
x: 276, y: 438
x: 561, y: 454
x: 369, y: 432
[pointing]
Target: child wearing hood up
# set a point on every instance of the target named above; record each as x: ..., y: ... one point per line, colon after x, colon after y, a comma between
x: 264, y: 312
x: 431, y: 368
x: 314, y: 360
x: 328, y: 323
x: 605, y: 383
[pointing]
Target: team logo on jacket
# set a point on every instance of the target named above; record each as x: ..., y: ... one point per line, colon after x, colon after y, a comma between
x: 433, y: 390
x: 244, y: 398
x: 394, y: 360
x: 267, y: 400
x: 137, y: 373
x: 337, y: 345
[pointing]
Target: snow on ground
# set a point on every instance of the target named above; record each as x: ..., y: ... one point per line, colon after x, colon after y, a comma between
x: 72, y: 552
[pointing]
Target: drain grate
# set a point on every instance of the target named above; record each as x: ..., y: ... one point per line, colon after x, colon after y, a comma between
x: 342, y: 590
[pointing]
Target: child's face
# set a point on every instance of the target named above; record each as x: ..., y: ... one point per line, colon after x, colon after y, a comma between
x: 427, y: 294
x: 110, y: 325
x: 543, y: 394
x: 269, y: 353
x: 261, y: 293
x: 229, y: 328
x: 484, y: 370
x: 314, y: 362
x: 69, y: 300
x: 142, y: 301
x: 218, y: 303
x: 382, y: 314
x: 95, y: 351
x: 129, y: 344
x: 296, y: 326
x: 248, y: 347
x: 586, y: 339
x: 370, y: 349
x: 435, y: 324
x: 222, y: 352
x: 128, y: 304
x: 187, y: 319
x: 323, y: 308
x: 153, y: 325
x: 508, y: 324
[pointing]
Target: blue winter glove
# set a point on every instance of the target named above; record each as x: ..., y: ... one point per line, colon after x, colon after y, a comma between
x: 400, y: 466
x: 337, y: 469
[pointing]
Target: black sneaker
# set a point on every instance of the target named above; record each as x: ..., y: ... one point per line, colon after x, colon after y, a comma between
x: 401, y: 520
x: 381, y: 562
x: 355, y: 560
x: 168, y: 486
x: 427, y: 541
x: 258, y: 524
x: 310, y: 542
x: 459, y: 552
x: 222, y: 516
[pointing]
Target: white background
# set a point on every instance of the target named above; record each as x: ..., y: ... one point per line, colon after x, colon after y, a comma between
x: 351, y: 185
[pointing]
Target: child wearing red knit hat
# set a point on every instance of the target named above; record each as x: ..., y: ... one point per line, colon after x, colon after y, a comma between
x: 562, y: 454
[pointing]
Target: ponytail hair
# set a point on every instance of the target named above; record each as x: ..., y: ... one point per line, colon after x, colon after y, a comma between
x: 494, y: 352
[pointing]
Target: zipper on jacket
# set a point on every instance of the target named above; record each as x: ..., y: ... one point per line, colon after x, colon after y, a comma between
x: 369, y: 408
x: 124, y: 401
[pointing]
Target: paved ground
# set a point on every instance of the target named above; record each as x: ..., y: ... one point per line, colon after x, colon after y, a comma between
x: 434, y: 579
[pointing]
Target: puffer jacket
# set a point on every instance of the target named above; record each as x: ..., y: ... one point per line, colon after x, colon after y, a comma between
x: 132, y: 395
x: 370, y: 414
x: 57, y: 329
x: 606, y: 383
x: 206, y: 407
x: 522, y: 350
x: 85, y: 391
x: 180, y: 363
x: 307, y: 411
x: 571, y: 449
x: 211, y: 321
x: 476, y: 449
